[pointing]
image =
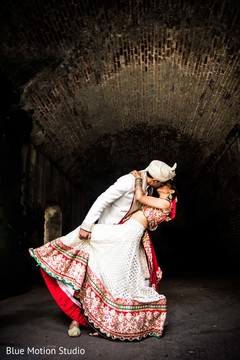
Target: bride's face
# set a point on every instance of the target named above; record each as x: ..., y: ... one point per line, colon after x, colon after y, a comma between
x: 165, y: 189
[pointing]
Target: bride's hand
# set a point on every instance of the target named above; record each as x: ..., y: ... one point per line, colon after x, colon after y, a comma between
x: 135, y: 173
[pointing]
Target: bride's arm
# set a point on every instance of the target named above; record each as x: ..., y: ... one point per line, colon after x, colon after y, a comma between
x: 145, y: 199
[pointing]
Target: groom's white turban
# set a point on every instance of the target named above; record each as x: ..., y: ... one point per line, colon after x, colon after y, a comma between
x: 161, y: 171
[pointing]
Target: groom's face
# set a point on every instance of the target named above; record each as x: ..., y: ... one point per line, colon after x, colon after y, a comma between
x: 154, y: 183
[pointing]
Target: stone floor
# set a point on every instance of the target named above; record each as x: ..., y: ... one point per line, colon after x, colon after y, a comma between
x: 203, y: 323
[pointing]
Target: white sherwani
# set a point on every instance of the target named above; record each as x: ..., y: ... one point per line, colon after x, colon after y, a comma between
x: 112, y: 205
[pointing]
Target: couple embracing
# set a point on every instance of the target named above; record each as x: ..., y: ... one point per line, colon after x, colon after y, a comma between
x: 104, y: 274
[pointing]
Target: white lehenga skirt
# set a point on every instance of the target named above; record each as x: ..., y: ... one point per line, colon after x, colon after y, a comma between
x: 108, y: 276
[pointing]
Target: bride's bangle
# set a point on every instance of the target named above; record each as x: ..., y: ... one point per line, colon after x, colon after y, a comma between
x: 138, y: 182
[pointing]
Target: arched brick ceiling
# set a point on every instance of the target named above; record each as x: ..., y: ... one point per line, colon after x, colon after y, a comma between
x: 114, y: 84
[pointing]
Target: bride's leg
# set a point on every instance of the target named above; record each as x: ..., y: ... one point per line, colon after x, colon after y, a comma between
x: 74, y: 329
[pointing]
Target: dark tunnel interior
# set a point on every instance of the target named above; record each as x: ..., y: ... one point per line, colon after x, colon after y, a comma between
x: 91, y: 90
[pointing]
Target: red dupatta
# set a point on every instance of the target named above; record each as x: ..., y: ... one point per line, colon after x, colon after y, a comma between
x: 154, y: 269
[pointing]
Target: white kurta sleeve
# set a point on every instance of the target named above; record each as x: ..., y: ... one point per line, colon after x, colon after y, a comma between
x: 124, y: 185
